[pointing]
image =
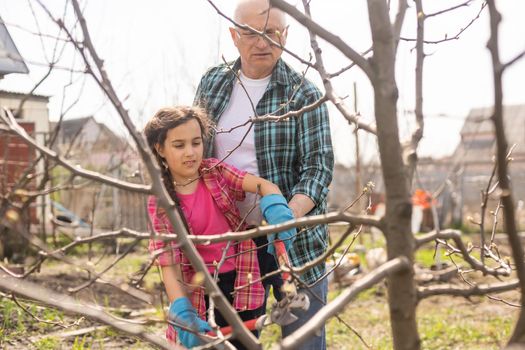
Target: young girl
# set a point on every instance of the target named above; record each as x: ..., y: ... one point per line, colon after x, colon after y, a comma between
x: 206, y: 191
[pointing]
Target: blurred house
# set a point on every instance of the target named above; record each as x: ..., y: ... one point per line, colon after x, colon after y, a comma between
x: 343, y: 189
x: 457, y: 180
x: 10, y: 59
x: 93, y: 146
x: 474, y: 157
x: 19, y: 167
x: 31, y: 112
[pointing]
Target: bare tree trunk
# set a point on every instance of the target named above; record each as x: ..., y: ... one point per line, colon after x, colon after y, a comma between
x: 518, y: 335
x: 400, y: 242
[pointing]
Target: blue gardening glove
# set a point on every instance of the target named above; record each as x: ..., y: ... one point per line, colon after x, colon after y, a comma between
x: 182, y: 312
x: 275, y: 210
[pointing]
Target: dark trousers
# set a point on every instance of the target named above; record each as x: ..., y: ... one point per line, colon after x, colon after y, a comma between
x: 267, y: 264
x: 226, y: 283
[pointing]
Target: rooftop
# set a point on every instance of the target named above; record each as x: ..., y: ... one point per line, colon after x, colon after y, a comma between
x: 10, y: 59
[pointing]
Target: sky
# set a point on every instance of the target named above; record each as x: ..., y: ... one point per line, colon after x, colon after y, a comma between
x: 156, y: 51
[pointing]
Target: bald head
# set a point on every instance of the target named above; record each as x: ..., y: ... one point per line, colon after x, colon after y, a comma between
x: 259, y: 54
x: 247, y: 9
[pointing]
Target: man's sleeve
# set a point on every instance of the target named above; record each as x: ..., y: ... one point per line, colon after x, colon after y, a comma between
x: 199, y: 99
x: 314, y: 147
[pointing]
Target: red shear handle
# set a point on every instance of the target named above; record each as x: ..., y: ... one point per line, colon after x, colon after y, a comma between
x: 250, y: 324
x: 282, y: 257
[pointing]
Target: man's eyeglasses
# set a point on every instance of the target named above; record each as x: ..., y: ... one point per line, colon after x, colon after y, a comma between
x: 251, y: 37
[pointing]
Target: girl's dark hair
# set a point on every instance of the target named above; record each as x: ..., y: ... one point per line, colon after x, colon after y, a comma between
x: 163, y: 121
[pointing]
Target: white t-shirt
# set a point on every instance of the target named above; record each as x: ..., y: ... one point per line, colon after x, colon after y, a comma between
x: 238, y: 111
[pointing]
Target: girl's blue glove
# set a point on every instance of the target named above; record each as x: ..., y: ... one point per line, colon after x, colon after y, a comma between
x: 275, y: 210
x: 182, y: 313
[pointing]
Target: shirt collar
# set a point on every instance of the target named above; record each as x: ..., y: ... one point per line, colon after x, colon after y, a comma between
x: 279, y: 74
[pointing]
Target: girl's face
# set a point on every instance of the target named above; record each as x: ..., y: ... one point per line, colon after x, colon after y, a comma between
x: 183, y: 150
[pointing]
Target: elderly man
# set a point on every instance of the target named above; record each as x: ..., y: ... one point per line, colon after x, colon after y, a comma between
x: 296, y: 154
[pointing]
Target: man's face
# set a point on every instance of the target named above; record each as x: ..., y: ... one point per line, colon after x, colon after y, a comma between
x: 258, y: 56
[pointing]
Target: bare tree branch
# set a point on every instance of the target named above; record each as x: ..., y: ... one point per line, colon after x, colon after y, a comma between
x: 106, y: 269
x: 38, y: 319
x: 64, y: 302
x: 397, y: 228
x: 13, y: 126
x: 457, y: 35
x: 326, y: 35
x: 344, y: 69
x: 466, y: 292
x: 417, y: 135
x: 455, y: 235
x: 294, y: 340
x: 466, y: 3
x: 291, y: 114
x: 514, y: 60
x: 165, y: 202
x: 518, y: 335
x: 398, y: 24
x: 319, y: 66
x: 303, y: 221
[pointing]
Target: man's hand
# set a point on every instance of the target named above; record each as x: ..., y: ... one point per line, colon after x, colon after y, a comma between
x: 301, y: 205
x: 182, y: 313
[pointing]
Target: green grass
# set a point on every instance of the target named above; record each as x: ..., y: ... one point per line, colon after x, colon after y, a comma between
x: 13, y: 317
x: 80, y: 343
x: 47, y: 343
x: 443, y: 323
x: 428, y: 256
x: 270, y: 335
x: 366, y: 317
x: 17, y: 324
x: 133, y: 263
x: 466, y: 328
x: 446, y: 324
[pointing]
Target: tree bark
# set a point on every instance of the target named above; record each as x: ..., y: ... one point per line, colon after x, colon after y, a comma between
x: 400, y: 242
x: 518, y: 335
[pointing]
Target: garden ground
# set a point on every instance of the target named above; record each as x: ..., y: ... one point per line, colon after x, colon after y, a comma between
x: 444, y: 322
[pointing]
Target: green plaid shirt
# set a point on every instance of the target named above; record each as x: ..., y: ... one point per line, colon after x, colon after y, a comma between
x: 295, y: 154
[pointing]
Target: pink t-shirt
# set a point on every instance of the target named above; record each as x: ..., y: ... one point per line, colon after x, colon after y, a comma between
x: 205, y: 218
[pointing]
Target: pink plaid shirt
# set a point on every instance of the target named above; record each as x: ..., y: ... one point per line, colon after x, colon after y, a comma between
x: 225, y: 185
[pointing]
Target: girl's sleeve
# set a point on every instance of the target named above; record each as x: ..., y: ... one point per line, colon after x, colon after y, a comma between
x: 167, y: 252
x: 234, y: 178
